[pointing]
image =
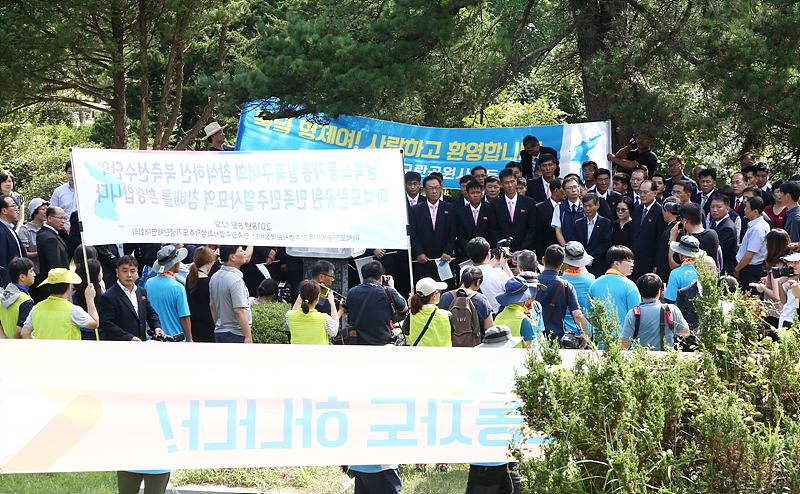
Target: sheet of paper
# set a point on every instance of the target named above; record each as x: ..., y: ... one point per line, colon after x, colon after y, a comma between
x: 263, y: 269
x: 465, y: 265
x: 445, y: 273
x: 360, y: 263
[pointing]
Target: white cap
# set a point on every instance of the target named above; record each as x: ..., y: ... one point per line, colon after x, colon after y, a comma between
x: 426, y: 286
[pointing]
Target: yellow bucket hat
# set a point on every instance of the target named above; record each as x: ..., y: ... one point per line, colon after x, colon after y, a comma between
x: 61, y: 275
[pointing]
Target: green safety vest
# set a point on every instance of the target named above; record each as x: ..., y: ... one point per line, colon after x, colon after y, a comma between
x: 308, y: 329
x: 52, y: 320
x: 512, y: 317
x: 438, y: 333
x: 10, y: 316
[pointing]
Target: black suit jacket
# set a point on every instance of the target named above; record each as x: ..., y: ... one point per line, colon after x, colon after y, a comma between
x: 119, y: 321
x: 696, y: 198
x: 598, y: 245
x: 427, y: 240
x: 645, y: 237
x: 611, y: 200
x: 523, y: 228
x: 726, y: 232
x: 10, y: 247
x: 527, y: 160
x: 466, y: 229
x: 545, y: 234
x: 536, y: 190
x: 52, y: 251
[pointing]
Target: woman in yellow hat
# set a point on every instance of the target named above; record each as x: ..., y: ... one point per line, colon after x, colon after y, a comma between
x: 56, y: 318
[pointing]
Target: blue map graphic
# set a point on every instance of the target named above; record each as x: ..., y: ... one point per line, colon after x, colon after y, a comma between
x: 581, y: 151
x: 104, y: 205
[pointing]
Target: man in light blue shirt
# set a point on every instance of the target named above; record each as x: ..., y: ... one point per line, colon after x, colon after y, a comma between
x: 753, y: 249
x: 615, y: 283
x: 650, y: 318
x: 688, y: 248
x: 167, y: 295
x: 64, y: 196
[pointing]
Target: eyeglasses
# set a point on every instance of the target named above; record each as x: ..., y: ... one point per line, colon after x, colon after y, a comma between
x: 328, y: 275
x: 622, y: 209
x: 59, y: 217
x: 428, y: 187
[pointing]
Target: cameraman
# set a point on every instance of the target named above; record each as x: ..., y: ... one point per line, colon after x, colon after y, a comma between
x: 494, y: 277
x: 636, y: 152
x: 370, y: 301
x: 790, y: 288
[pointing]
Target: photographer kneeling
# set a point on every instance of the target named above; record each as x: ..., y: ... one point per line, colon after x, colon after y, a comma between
x: 372, y: 305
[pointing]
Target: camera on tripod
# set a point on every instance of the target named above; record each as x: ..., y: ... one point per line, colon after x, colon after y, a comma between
x: 165, y: 337
x: 502, y: 250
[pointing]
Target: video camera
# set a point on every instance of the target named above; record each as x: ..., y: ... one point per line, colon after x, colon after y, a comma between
x: 502, y: 249
x: 165, y: 337
x: 632, y: 140
x: 284, y: 293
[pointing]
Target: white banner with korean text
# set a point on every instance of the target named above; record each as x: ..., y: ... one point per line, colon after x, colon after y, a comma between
x: 331, y: 198
x: 104, y: 406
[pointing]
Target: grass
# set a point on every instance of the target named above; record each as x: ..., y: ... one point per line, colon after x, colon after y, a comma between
x: 299, y: 480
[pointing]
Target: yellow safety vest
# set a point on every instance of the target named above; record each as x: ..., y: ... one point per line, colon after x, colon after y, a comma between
x: 308, y: 329
x: 52, y: 320
x: 439, y: 331
x: 512, y: 317
x: 10, y: 316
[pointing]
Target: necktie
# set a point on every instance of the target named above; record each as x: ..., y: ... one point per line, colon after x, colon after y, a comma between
x: 637, y: 200
x: 475, y: 216
x: 644, y: 215
x: 713, y: 224
x: 413, y: 202
x: 736, y: 208
x: 703, y: 201
x: 433, y: 216
x: 590, y: 227
x: 574, y: 210
x: 511, y: 210
x: 546, y: 189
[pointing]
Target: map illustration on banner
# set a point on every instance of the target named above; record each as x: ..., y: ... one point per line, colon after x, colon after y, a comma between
x: 452, y: 152
x: 333, y: 198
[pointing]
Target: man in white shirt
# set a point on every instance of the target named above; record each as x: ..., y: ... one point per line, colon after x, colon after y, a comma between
x: 64, y: 196
x: 570, y: 210
x: 494, y: 277
x: 753, y: 250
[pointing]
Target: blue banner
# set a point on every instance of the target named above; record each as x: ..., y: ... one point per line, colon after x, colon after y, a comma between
x: 452, y: 152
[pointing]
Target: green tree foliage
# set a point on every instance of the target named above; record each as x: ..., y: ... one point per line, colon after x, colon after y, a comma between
x: 510, y: 113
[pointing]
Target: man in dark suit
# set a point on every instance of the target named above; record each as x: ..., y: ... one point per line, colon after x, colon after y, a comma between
x: 545, y: 234
x: 648, y: 224
x: 120, y: 319
x: 602, y: 182
x: 522, y: 224
x: 708, y: 189
x: 721, y: 223
x: 532, y: 153
x: 539, y: 188
x: 472, y: 221
x: 433, y: 230
x: 51, y: 245
x: 10, y: 243
x: 594, y: 232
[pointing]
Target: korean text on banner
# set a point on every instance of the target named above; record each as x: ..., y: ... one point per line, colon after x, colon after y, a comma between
x: 334, y: 198
x: 451, y: 152
x: 256, y: 405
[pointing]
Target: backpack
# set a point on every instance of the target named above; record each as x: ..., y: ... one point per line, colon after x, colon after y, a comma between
x: 466, y: 324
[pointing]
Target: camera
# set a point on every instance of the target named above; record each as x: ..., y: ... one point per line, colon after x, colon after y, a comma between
x: 386, y: 279
x: 165, y: 337
x: 570, y: 341
x: 284, y: 293
x: 502, y: 249
x: 780, y: 272
x: 632, y: 141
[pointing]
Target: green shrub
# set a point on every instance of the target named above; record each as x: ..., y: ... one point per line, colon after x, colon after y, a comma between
x: 722, y: 420
x: 269, y: 323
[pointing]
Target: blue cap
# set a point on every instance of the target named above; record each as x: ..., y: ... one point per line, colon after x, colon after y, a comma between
x: 517, y: 290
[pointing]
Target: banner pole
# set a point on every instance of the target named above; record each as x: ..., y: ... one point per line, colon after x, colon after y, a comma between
x: 79, y: 226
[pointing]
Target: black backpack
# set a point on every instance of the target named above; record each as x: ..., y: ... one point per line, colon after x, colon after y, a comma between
x: 466, y: 323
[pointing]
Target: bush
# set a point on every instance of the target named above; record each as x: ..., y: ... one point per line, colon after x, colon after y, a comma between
x: 722, y: 420
x: 269, y: 322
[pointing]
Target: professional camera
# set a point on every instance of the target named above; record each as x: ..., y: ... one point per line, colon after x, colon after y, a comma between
x: 284, y: 293
x: 780, y: 272
x: 632, y: 140
x: 502, y: 249
x: 165, y: 337
x: 570, y: 341
x: 386, y: 279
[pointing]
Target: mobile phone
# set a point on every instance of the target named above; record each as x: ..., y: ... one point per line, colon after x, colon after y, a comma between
x: 323, y: 290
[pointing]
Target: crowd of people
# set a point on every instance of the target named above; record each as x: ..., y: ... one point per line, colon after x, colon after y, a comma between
x: 527, y: 251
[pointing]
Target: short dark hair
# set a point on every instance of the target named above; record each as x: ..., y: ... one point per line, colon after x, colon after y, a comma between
x: 653, y: 185
x: 19, y: 266
x: 649, y: 284
x: 708, y: 172
x: 479, y: 167
x: 556, y: 183
x: 618, y: 253
x: 761, y: 167
x: 321, y: 267
x: 754, y: 190
x: 791, y: 188
x: 554, y: 256
x: 465, y: 179
x: 372, y: 270
x: 471, y: 275
x: 477, y: 249
x: 628, y: 202
x: 643, y: 172
x: 529, y: 139
x: 521, y: 181
x: 658, y: 175
x: 749, y: 169
x: 226, y: 251
x: 622, y: 177
x: 526, y: 260
x: 747, y: 155
x: 3, y: 204
x: 58, y: 288
x: 67, y: 166
x: 267, y: 287
x: 685, y: 185
x: 602, y: 171
x: 547, y: 157
x: 589, y: 164
x: 727, y: 191
x: 505, y: 173
x: 474, y: 184
x: 590, y: 197
x: 514, y: 164
x: 490, y: 180
x: 691, y: 212
x: 127, y: 259
x: 51, y: 211
x: 722, y: 198
x: 432, y: 176
x: 413, y: 177
x: 570, y: 178
x: 757, y: 204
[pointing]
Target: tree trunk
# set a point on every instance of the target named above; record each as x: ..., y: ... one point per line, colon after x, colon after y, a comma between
x: 118, y: 103
x: 145, y: 77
